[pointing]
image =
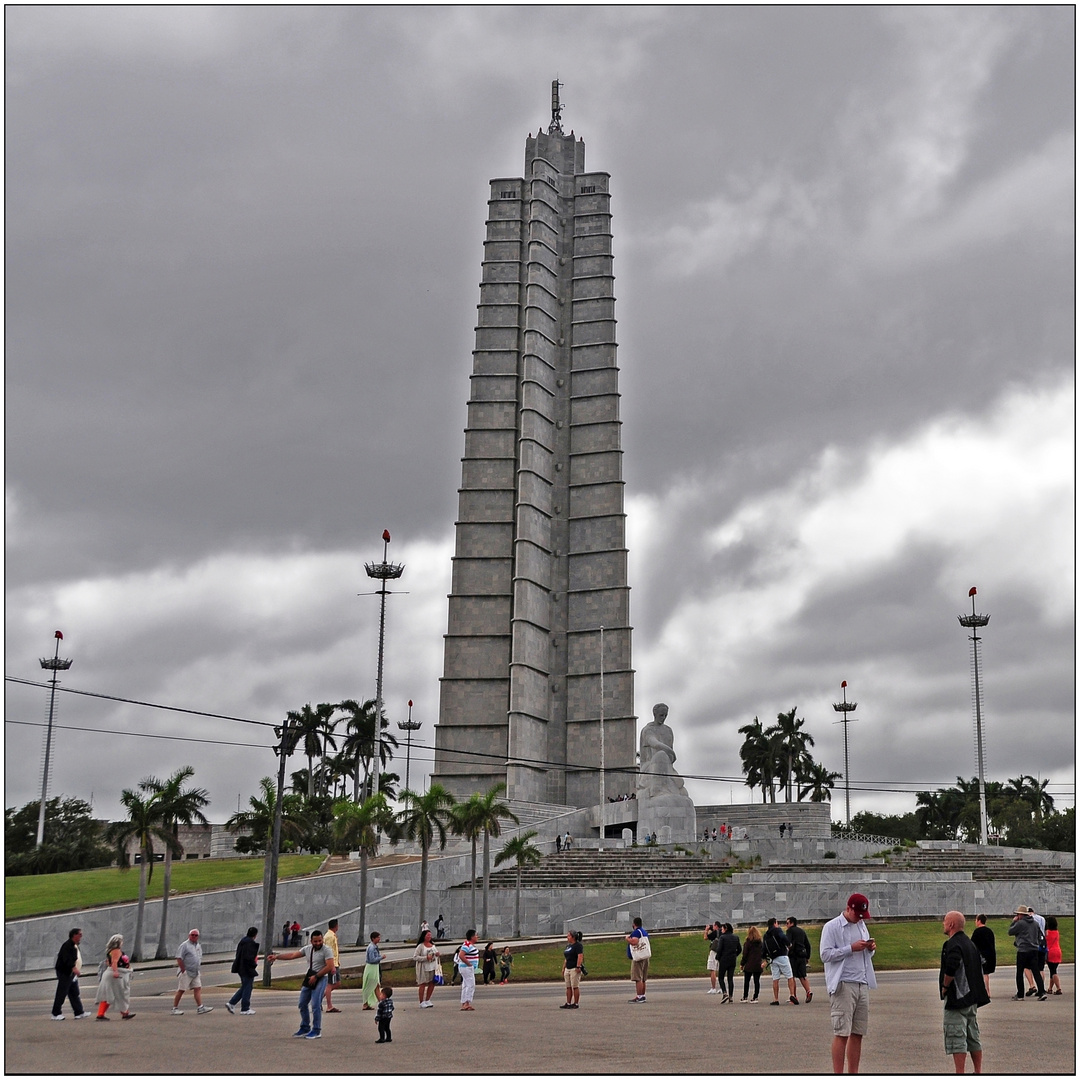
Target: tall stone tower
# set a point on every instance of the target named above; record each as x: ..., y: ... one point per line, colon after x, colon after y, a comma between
x: 540, y: 560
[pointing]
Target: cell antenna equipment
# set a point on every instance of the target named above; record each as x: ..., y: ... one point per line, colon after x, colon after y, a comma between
x: 555, y: 127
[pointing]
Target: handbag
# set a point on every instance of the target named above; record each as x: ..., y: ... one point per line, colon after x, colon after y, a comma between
x: 439, y: 980
x: 640, y: 947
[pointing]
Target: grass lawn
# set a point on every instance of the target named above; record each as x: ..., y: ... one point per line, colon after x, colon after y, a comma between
x: 43, y: 894
x: 900, y: 945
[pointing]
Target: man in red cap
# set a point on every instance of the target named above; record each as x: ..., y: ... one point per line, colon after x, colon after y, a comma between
x: 846, y: 950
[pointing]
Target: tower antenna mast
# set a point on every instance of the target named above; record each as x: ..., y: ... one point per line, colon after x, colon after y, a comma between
x: 555, y: 127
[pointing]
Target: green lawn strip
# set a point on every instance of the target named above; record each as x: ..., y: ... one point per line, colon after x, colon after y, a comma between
x: 44, y: 894
x: 900, y: 946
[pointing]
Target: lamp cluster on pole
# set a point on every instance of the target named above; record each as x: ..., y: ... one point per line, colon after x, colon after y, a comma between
x: 54, y: 664
x: 846, y: 708
x: 410, y: 726
x: 383, y: 572
x: 972, y: 622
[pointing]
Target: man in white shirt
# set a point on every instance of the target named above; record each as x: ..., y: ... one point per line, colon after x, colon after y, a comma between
x: 188, y: 974
x: 847, y: 949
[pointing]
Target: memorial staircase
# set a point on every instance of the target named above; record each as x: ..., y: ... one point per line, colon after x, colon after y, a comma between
x: 643, y: 868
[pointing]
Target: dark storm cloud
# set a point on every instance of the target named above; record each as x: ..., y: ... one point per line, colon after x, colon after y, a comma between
x: 243, y: 247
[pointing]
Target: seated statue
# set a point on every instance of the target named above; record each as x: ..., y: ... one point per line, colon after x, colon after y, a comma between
x: 657, y: 777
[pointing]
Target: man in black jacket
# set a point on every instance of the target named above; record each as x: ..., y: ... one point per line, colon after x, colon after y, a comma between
x: 799, y: 954
x: 776, y: 946
x: 960, y: 982
x: 244, y: 965
x: 68, y: 964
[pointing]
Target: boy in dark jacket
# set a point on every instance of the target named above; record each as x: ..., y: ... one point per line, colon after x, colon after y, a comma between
x: 799, y: 952
x: 384, y: 1012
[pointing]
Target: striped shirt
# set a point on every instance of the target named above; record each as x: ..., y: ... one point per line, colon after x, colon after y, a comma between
x: 468, y: 955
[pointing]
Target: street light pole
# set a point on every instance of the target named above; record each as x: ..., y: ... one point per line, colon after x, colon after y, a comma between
x: 410, y: 726
x: 973, y: 622
x: 54, y: 664
x: 383, y: 572
x: 270, y: 876
x: 846, y: 707
x: 603, y: 788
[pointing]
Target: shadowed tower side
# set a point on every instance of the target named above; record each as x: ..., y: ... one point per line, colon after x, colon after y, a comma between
x: 540, y: 557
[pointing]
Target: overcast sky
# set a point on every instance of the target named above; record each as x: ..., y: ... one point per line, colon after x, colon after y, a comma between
x: 243, y: 255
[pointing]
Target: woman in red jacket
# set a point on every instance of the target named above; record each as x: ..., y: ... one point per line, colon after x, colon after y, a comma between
x: 1053, y: 954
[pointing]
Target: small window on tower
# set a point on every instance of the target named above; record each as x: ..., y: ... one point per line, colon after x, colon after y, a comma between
x: 588, y: 189
x: 508, y: 195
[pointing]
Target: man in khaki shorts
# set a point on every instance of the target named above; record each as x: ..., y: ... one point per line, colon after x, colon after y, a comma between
x: 847, y: 951
x: 188, y: 975
x: 639, y: 950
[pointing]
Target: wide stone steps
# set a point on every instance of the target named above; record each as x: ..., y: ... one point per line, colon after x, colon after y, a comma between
x: 635, y: 868
x: 981, y: 866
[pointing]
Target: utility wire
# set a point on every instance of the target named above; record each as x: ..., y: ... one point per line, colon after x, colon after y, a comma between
x: 141, y: 735
x: 869, y: 786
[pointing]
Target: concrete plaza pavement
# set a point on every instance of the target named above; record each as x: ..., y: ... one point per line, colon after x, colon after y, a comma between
x: 520, y: 1029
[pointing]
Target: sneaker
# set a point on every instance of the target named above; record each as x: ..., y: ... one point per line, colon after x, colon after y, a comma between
x: 127, y: 1016
x: 84, y: 1016
x: 743, y: 1001
x: 713, y: 991
x: 1017, y: 997
x: 1042, y: 997
x: 809, y: 996
x: 566, y: 1006
x: 101, y: 1018
x: 1031, y: 992
x: 793, y: 999
x: 774, y: 1002
x: 231, y: 1007
x: 573, y: 1006
x: 426, y: 1005
x: 724, y: 1000
x: 754, y: 1000
x: 177, y: 1012
x: 301, y: 1034
x: 60, y: 1017
x: 247, y: 1012
x: 205, y: 1009
x: 313, y: 1035
x: 635, y: 1001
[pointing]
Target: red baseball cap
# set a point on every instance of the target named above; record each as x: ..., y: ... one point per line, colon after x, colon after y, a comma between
x: 859, y: 904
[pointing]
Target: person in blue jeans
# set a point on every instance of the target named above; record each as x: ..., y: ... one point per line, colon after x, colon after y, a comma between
x: 320, y: 963
x: 245, y: 965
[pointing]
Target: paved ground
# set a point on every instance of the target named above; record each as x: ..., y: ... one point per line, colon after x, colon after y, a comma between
x: 520, y: 1029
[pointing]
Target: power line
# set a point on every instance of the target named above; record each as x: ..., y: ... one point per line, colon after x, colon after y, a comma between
x: 883, y: 787
x: 141, y: 735
x: 147, y: 704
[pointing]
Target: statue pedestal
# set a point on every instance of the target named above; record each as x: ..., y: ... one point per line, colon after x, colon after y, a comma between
x: 677, y: 813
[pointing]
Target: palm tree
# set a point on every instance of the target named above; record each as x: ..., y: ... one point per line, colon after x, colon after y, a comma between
x: 316, y: 729
x: 144, y: 825
x: 359, y: 742
x: 492, y: 813
x: 467, y: 823
x: 524, y: 854
x: 817, y: 782
x: 178, y: 806
x: 426, y: 817
x: 1040, y: 799
x: 357, y: 827
x: 790, y: 742
x: 757, y: 758
x: 257, y: 822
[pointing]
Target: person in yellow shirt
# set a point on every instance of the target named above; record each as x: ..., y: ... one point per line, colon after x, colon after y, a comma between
x: 331, y: 942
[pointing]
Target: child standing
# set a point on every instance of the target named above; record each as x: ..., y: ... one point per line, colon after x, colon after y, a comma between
x: 384, y: 1012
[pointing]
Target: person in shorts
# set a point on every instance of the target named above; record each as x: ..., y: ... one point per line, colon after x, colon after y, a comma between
x: 330, y: 940
x: 960, y: 983
x: 777, y: 947
x: 799, y: 954
x: 638, y: 950
x: 847, y: 951
x: 573, y: 959
x: 188, y: 975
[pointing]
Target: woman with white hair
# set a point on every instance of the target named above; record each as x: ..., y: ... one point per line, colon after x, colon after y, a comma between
x: 114, y: 980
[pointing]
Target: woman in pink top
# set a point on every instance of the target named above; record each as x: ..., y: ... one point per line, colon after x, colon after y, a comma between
x: 1053, y: 954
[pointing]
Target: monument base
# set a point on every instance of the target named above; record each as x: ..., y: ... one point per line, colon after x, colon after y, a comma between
x: 669, y: 820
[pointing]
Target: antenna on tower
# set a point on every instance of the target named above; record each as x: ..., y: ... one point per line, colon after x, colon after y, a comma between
x: 555, y: 127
